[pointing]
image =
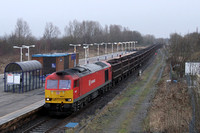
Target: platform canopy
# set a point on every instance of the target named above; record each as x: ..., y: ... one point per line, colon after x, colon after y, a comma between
x: 23, y: 66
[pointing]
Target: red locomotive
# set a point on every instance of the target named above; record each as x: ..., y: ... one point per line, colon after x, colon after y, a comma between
x: 71, y: 89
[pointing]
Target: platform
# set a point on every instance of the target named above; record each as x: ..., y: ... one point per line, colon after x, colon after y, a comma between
x: 14, y: 105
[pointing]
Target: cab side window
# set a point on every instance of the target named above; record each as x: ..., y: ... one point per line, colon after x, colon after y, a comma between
x: 76, y: 83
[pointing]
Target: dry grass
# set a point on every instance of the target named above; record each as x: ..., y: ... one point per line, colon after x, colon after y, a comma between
x: 170, y: 110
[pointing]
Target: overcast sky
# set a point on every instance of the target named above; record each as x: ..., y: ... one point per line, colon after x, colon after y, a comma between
x: 157, y: 17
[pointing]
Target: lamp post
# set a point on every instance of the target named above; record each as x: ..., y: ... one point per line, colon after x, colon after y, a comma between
x: 85, y: 47
x: 125, y: 46
x: 24, y: 46
x: 98, y: 49
x: 20, y: 52
x: 122, y: 48
x: 75, y: 45
x: 118, y: 46
x: 88, y: 53
x: 129, y: 46
x: 112, y: 49
x: 134, y: 44
x: 105, y: 47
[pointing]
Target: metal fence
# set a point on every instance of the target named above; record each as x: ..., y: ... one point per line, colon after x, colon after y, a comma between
x: 194, y: 125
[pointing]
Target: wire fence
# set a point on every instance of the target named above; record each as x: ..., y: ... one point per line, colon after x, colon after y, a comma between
x: 194, y: 125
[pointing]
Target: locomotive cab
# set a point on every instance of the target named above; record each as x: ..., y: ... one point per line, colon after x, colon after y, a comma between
x: 60, y: 90
x: 73, y: 88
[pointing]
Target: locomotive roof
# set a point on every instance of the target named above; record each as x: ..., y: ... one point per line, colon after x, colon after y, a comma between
x: 84, y: 69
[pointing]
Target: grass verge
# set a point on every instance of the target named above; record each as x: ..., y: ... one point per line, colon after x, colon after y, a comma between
x: 170, y: 110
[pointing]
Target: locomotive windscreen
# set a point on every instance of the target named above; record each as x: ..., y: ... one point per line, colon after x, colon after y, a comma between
x: 63, y: 84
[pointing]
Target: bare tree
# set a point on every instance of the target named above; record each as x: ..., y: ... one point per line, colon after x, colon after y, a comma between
x: 148, y: 39
x: 50, y: 35
x: 84, y: 32
x: 181, y: 50
x: 51, y: 31
x: 22, y: 32
x: 115, y: 33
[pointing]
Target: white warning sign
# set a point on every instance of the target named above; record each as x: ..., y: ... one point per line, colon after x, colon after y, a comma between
x: 192, y: 68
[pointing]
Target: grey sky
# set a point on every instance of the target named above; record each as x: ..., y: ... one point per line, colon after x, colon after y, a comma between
x: 157, y: 17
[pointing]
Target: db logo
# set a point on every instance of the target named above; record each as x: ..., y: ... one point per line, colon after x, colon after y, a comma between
x: 91, y: 82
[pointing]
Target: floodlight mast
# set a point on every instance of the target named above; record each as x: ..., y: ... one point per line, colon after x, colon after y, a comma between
x: 24, y: 46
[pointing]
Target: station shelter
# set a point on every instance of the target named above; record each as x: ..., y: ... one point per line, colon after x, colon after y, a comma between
x: 56, y: 61
x: 23, y: 76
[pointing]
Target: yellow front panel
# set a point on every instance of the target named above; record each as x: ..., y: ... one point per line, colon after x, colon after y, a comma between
x: 59, y: 96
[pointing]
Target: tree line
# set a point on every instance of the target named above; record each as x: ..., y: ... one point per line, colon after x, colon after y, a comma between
x: 183, y: 49
x: 75, y: 32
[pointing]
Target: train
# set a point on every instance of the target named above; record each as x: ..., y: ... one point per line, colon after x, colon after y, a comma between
x: 71, y: 89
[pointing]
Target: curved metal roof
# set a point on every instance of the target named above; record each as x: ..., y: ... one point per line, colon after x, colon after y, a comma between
x: 23, y: 66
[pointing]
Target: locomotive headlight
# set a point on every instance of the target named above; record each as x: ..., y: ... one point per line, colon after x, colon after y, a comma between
x: 68, y: 99
x: 48, y: 99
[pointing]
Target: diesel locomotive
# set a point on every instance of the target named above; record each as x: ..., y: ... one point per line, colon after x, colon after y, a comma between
x: 71, y: 89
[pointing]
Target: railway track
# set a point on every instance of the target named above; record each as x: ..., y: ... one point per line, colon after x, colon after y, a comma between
x: 42, y: 126
x: 44, y: 123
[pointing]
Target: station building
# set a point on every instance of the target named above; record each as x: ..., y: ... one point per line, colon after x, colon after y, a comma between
x: 56, y: 61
